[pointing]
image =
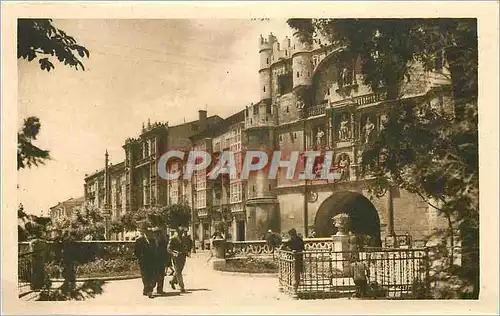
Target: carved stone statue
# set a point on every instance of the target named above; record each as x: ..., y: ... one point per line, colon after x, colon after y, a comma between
x: 344, y: 77
x: 344, y: 129
x: 344, y: 167
x: 319, y: 137
x: 369, y: 127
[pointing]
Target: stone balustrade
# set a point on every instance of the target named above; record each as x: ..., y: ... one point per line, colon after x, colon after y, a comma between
x: 316, y: 110
x: 260, y: 248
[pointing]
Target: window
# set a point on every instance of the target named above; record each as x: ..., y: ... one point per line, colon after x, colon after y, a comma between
x: 264, y: 88
x: 297, y: 74
x: 269, y: 108
x: 267, y: 60
x: 285, y: 83
x: 287, y: 109
x: 255, y: 109
x: 194, y: 127
x: 281, y: 138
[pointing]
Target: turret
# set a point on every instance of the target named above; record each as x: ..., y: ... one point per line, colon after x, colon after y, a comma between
x: 265, y: 52
x: 301, y: 62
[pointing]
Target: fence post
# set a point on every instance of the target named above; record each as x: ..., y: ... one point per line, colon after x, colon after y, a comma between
x: 427, y: 273
x: 38, y: 247
x: 295, y: 280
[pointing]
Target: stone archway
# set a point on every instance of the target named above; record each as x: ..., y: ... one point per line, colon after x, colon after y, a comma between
x: 364, y: 216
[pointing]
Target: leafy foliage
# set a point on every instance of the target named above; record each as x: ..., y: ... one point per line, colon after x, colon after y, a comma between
x: 178, y: 215
x: 31, y: 226
x: 29, y: 155
x: 428, y: 150
x: 172, y: 216
x: 116, y: 227
x: 86, y: 222
x: 37, y: 37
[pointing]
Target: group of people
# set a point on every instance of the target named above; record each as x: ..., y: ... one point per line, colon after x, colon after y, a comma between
x: 158, y: 253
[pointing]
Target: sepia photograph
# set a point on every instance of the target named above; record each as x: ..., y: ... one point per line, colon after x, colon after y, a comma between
x: 296, y: 163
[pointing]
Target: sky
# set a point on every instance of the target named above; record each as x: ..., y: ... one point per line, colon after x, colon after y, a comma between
x: 163, y: 70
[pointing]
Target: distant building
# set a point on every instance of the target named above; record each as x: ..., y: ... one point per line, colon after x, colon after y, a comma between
x: 66, y: 208
x: 309, y: 101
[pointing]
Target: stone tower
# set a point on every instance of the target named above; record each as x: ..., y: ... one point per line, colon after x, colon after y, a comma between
x: 265, y: 52
x: 262, y: 207
x: 302, y: 68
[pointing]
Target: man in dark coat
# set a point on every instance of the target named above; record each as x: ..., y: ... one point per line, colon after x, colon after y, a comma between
x: 145, y: 251
x: 297, y: 246
x: 162, y: 257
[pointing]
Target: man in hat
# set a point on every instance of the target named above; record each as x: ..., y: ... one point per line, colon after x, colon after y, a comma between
x: 145, y: 251
x: 179, y: 250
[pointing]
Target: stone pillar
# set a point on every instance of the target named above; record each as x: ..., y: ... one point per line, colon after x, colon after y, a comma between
x: 341, y: 259
x: 220, y: 248
x: 390, y: 219
x: 39, y: 248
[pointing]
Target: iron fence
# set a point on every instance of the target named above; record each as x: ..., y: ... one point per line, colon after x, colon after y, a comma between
x: 392, y: 273
x: 24, y: 271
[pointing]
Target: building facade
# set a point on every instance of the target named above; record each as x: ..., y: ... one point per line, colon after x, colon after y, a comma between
x: 309, y: 100
x: 66, y: 208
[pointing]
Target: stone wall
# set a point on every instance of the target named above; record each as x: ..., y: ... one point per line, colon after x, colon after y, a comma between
x: 411, y: 214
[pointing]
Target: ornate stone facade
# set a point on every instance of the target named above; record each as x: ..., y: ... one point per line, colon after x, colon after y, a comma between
x: 308, y: 102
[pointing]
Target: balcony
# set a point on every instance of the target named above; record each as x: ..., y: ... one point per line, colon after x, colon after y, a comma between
x: 370, y: 98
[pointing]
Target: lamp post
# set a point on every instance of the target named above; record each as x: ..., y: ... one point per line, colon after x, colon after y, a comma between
x: 193, y: 214
x: 106, y: 213
x: 306, y: 191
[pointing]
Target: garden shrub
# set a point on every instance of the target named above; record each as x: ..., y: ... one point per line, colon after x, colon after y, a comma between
x: 252, y: 265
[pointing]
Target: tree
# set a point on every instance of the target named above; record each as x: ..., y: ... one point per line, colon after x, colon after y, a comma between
x: 178, y: 215
x: 172, y: 216
x: 428, y: 151
x: 39, y: 38
x: 29, y: 155
x: 31, y: 226
x: 86, y: 222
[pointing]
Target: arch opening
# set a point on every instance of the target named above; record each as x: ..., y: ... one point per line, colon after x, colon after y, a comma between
x: 363, y: 216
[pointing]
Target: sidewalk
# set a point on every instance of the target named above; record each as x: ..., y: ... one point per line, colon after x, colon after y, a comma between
x: 204, y: 286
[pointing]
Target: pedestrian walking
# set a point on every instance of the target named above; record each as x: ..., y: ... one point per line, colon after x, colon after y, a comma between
x: 145, y: 252
x: 179, y: 251
x: 161, y: 259
x: 297, y: 246
x: 360, y: 273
